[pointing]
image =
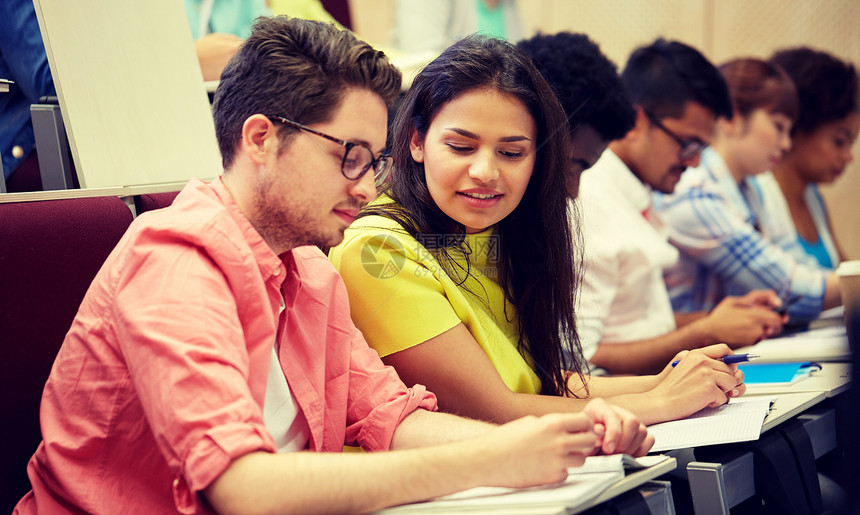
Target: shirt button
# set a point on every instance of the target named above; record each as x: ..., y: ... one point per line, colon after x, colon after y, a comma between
x: 277, y: 271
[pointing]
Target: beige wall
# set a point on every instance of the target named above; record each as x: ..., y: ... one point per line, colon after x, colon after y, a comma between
x: 721, y: 29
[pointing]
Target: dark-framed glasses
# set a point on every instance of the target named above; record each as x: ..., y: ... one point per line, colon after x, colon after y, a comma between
x: 357, y: 157
x: 690, y: 147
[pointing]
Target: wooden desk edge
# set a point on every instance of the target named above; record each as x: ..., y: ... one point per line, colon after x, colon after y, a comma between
x: 629, y: 482
x: 807, y: 400
x: 119, y: 191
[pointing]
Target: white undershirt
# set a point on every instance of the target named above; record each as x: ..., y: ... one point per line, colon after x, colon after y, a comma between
x: 284, y: 420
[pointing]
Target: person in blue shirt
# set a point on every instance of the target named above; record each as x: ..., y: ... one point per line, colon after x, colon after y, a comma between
x: 23, y: 61
x: 728, y: 243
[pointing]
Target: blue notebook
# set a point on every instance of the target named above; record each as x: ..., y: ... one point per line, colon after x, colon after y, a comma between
x: 777, y: 373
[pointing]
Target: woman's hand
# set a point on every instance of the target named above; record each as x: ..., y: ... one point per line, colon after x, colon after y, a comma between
x: 699, y: 380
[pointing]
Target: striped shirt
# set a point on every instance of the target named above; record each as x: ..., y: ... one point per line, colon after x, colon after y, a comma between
x: 714, y: 222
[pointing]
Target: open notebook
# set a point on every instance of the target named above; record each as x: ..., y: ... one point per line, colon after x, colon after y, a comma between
x: 738, y: 421
x: 581, y: 486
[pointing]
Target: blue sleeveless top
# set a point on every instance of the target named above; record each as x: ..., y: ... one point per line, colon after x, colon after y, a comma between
x: 817, y: 250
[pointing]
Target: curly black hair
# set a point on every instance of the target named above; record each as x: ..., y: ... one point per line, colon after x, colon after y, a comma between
x: 585, y: 81
x: 827, y: 86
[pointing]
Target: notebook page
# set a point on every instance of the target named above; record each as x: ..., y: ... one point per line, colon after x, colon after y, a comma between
x: 738, y: 421
x: 577, y: 489
x: 822, y: 344
x: 582, y: 484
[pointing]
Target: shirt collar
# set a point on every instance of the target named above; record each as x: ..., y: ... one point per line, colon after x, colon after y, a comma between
x: 737, y: 193
x: 619, y: 174
x: 271, y: 265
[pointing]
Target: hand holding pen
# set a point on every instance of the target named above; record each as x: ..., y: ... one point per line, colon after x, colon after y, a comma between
x: 700, y: 379
x: 730, y: 359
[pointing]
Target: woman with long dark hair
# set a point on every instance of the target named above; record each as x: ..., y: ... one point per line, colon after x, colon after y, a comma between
x: 462, y: 275
x: 822, y: 147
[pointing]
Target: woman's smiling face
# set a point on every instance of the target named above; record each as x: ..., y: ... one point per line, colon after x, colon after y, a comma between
x: 479, y: 154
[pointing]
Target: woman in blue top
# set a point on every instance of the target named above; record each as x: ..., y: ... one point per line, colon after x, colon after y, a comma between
x: 822, y: 144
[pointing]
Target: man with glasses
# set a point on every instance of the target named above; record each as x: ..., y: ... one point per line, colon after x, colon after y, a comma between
x: 624, y: 315
x: 216, y: 341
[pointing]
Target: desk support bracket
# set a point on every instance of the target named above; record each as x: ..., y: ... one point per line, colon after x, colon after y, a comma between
x: 711, y: 493
x: 52, y: 146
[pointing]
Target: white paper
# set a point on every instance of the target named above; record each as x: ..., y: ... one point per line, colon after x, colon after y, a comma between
x: 582, y: 484
x: 823, y: 344
x: 738, y: 421
x: 837, y: 313
x: 615, y: 462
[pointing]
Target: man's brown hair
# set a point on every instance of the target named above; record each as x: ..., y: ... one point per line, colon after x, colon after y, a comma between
x: 298, y: 69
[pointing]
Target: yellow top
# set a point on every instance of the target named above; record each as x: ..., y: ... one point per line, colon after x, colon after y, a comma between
x: 400, y: 296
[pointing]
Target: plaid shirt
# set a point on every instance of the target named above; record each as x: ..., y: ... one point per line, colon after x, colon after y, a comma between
x: 714, y: 222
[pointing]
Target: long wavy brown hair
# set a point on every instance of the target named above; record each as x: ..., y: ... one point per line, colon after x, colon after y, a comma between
x: 536, y: 241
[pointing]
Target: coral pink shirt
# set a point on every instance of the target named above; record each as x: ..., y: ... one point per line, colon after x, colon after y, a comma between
x: 161, y: 380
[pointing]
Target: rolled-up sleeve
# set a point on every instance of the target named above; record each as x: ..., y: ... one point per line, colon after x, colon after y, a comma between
x: 187, y: 357
x: 378, y: 400
x: 594, y: 302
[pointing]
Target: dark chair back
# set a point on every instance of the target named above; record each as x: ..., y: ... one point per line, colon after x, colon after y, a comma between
x: 50, y: 251
x: 150, y: 201
x: 339, y: 10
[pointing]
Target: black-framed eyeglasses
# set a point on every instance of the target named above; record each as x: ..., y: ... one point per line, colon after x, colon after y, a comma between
x: 357, y: 157
x: 690, y: 147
